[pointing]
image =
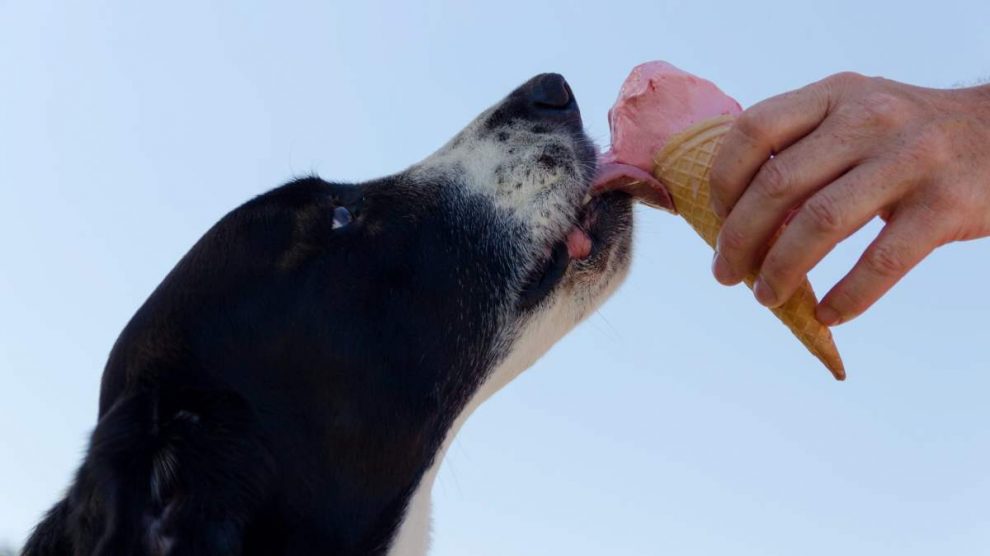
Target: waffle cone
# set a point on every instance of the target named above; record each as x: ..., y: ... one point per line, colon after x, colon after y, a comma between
x: 683, y: 166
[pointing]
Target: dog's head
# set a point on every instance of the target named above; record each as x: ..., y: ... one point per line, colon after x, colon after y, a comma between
x: 364, y: 318
x: 489, y: 249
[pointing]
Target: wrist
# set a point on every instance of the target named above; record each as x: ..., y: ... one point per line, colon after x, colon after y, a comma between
x: 980, y: 98
x: 971, y: 105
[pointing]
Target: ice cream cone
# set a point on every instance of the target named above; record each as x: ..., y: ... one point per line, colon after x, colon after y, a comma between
x: 683, y: 165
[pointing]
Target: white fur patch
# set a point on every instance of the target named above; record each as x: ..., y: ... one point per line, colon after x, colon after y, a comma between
x: 534, y: 177
x: 508, y: 172
x: 536, y: 337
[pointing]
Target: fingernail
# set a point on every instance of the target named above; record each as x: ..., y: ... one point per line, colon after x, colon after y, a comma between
x: 721, y: 270
x: 764, y: 293
x: 827, y: 315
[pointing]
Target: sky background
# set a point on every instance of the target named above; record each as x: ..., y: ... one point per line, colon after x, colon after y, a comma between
x: 681, y: 419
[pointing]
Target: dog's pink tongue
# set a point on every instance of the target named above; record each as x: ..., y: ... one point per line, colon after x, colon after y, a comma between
x: 616, y: 176
x: 578, y: 244
x: 655, y: 102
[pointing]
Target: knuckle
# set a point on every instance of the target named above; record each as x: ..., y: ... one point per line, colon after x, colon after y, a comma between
x: 823, y: 214
x: 887, y: 260
x: 771, y: 181
x: 731, y: 242
x: 845, y: 78
x: 847, y: 113
x: 848, y: 301
x: 774, y: 270
x: 944, y: 207
x: 930, y: 147
x: 753, y: 125
x: 883, y: 109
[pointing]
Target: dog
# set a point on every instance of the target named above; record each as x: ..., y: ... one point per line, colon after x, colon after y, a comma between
x: 292, y: 385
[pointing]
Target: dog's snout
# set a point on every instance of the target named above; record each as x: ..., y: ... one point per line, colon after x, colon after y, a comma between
x: 544, y: 99
x: 551, y: 91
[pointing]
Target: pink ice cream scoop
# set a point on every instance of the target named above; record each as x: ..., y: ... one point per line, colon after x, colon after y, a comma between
x: 655, y: 102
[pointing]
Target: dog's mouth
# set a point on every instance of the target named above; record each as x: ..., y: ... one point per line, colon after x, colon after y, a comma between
x: 617, y: 176
x: 581, y: 245
x: 583, y: 240
x: 612, y: 180
x: 615, y: 183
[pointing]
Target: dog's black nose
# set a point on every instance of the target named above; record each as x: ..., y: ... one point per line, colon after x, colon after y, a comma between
x: 546, y: 98
x: 551, y: 91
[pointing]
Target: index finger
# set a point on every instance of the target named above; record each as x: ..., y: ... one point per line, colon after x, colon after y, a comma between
x: 764, y: 129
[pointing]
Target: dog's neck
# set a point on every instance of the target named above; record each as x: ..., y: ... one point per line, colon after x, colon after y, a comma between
x: 413, y: 535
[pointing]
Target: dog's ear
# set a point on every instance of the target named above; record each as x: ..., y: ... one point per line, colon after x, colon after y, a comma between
x: 210, y: 475
x: 51, y: 536
x: 102, y: 512
x: 163, y: 479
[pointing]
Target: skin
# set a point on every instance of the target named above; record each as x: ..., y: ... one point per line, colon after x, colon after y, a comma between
x: 828, y: 158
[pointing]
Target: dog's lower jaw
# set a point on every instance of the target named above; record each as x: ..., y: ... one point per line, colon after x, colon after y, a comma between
x: 534, y: 339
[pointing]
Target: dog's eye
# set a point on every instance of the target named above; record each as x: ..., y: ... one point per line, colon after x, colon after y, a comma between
x: 341, y: 217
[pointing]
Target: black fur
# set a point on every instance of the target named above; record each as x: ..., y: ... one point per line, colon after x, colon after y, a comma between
x: 245, y: 398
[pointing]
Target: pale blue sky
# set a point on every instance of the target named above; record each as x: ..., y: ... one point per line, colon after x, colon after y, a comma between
x: 682, y: 419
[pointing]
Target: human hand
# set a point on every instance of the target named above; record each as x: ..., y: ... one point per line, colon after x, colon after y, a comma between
x: 846, y: 149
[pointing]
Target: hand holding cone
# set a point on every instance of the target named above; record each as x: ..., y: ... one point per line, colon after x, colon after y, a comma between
x: 683, y: 166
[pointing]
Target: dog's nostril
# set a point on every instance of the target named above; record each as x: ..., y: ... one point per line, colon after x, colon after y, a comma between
x: 551, y: 90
